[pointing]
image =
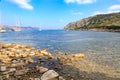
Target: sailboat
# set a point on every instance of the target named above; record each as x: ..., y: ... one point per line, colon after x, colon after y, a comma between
x: 2, y: 30
x: 18, y: 27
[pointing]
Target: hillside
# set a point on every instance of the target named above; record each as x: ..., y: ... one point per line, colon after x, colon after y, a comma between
x: 7, y: 28
x: 103, y: 22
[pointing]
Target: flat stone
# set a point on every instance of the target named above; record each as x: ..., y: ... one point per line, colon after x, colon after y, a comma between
x: 49, y: 75
x: 41, y: 69
x: 9, y: 70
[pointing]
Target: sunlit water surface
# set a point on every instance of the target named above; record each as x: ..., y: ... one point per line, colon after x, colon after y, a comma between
x: 101, y: 47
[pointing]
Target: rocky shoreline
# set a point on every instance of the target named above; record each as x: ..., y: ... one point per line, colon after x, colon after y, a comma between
x: 19, y: 62
x: 27, y: 63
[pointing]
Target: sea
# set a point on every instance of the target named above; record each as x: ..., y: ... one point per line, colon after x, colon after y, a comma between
x: 102, y: 47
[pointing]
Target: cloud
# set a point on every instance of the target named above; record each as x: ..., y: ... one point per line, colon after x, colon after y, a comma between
x: 111, y: 9
x: 114, y: 7
x: 100, y: 12
x: 23, y: 4
x: 80, y: 1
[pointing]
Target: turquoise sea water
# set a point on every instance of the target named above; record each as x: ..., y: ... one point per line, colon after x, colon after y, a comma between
x: 103, y: 47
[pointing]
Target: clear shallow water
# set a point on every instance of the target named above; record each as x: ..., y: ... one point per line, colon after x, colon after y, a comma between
x: 103, y: 47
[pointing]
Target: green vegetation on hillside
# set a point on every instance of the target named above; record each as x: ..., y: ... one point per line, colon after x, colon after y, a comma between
x: 103, y: 21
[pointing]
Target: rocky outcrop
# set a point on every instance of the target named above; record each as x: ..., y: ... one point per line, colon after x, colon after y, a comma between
x: 98, y: 22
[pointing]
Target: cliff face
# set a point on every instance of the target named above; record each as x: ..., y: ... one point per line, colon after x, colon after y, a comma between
x: 103, y: 21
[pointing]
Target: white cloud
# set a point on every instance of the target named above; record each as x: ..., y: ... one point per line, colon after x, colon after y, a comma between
x: 111, y: 9
x: 114, y: 7
x: 80, y: 1
x: 23, y: 4
x: 100, y: 12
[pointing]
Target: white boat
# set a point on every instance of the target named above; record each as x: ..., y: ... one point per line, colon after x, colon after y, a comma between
x: 16, y: 29
x: 3, y: 31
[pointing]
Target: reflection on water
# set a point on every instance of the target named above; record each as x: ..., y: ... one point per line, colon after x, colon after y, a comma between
x: 102, y: 47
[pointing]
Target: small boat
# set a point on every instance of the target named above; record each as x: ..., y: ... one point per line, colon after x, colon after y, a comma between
x: 16, y: 29
x: 3, y: 31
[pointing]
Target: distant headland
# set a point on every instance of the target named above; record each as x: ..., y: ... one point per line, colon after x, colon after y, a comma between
x: 101, y: 22
x: 7, y: 28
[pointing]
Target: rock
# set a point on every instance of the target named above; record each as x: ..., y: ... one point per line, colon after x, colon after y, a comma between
x: 20, y: 72
x: 9, y: 70
x: 49, y: 75
x: 12, y: 69
x: 2, y: 68
x: 17, y: 64
x: 41, y: 69
x: 15, y: 60
x: 61, y: 78
x: 29, y: 60
x: 37, y: 79
x: 34, y: 78
x: 7, y: 76
x: 77, y: 56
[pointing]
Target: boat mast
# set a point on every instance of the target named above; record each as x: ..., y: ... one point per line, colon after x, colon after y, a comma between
x: 19, y: 23
x: 1, y: 26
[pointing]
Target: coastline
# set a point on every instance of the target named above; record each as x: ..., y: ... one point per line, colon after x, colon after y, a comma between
x: 27, y: 63
x: 104, y: 30
x: 97, y: 30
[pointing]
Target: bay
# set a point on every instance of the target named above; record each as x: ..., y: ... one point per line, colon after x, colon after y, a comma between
x: 101, y: 47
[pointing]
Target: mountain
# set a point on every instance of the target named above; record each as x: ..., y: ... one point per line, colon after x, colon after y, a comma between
x: 102, y: 22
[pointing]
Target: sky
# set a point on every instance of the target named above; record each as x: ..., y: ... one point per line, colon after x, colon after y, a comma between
x: 53, y: 14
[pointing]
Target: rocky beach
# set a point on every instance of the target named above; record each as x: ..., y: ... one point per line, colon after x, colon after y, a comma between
x: 65, y: 40
x: 20, y: 62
